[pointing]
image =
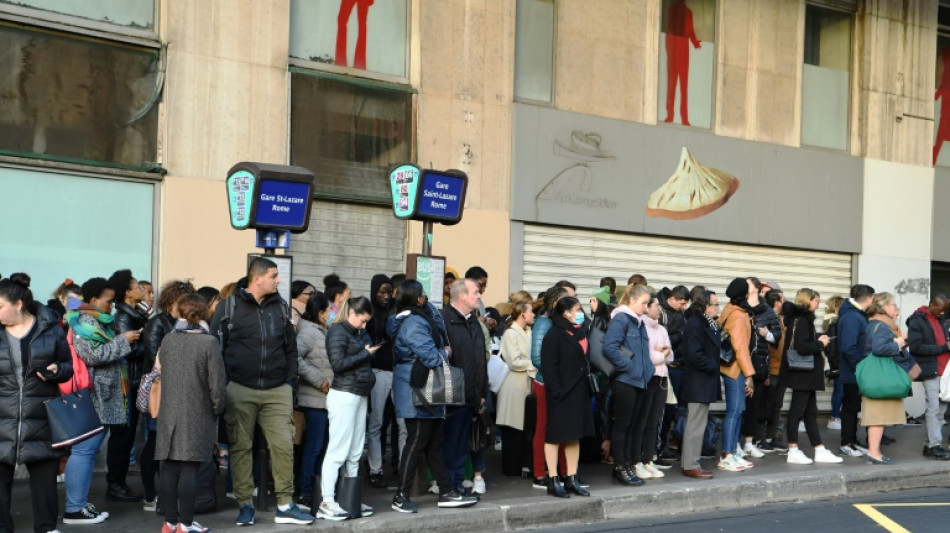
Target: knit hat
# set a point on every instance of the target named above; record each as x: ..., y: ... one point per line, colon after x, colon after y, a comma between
x: 737, y: 288
x: 602, y: 294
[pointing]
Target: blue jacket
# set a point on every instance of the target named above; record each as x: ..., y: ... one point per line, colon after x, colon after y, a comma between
x: 541, y: 326
x: 412, y: 340
x: 851, y: 350
x: 879, y: 340
x: 701, y: 379
x: 625, y: 330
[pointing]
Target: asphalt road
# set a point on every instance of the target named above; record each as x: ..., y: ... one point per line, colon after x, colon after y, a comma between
x: 916, y: 511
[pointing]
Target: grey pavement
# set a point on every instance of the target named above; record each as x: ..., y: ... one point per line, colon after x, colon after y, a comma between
x: 511, y: 503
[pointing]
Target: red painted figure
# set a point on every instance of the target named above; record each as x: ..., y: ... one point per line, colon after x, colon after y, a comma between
x: 346, y: 9
x: 943, y: 94
x: 679, y: 33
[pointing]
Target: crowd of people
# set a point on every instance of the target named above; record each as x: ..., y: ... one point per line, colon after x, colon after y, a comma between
x: 329, y: 375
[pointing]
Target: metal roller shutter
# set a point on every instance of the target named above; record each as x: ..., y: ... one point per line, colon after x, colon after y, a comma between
x: 355, y: 241
x: 585, y: 256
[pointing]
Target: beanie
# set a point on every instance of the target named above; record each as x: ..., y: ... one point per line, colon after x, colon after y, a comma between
x: 737, y: 288
x: 602, y: 294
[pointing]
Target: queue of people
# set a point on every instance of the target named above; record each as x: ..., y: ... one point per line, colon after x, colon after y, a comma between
x: 242, y: 360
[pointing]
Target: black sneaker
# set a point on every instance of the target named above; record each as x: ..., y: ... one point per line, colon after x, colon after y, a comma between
x: 304, y: 502
x: 779, y: 445
x: 663, y: 464
x: 936, y: 452
x: 86, y: 515
x: 885, y: 440
x: 377, y: 480
x: 403, y: 504
x: 454, y: 499
x: 764, y: 446
x: 669, y: 455
x: 911, y: 421
x: 540, y: 483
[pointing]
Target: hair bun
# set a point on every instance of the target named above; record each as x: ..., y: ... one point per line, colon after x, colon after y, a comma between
x: 21, y: 279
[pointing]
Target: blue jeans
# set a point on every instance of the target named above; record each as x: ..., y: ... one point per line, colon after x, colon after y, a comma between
x: 735, y: 405
x: 837, y: 398
x: 78, y: 472
x: 314, y: 448
x: 457, y: 427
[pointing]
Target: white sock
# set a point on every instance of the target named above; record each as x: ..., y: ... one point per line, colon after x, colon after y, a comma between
x: 283, y: 507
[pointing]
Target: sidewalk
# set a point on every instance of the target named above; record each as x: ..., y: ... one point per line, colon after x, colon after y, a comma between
x: 511, y: 503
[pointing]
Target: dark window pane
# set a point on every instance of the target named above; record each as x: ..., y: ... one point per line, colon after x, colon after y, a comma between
x: 139, y: 14
x: 349, y: 134
x: 76, y: 99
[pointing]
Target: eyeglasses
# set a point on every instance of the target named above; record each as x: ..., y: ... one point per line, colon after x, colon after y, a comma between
x: 307, y: 294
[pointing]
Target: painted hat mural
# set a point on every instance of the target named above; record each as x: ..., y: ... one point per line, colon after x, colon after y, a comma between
x: 583, y: 146
x: 694, y: 190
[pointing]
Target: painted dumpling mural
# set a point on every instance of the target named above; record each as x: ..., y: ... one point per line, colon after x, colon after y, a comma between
x: 694, y: 190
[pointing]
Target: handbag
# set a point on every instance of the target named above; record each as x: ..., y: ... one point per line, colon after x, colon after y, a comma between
x: 444, y: 385
x: 81, y: 378
x: 155, y: 398
x: 796, y: 361
x: 595, y: 340
x: 145, y: 389
x: 72, y: 418
x: 497, y: 372
x: 881, y: 378
x: 483, y: 428
x: 945, y: 385
x: 727, y: 354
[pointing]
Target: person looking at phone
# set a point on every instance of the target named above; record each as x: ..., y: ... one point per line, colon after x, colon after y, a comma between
x: 381, y: 290
x: 350, y: 351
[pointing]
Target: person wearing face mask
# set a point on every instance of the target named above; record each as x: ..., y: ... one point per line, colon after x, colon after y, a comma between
x: 627, y: 345
x: 654, y: 397
x: 738, y: 375
x: 566, y: 371
x: 350, y: 351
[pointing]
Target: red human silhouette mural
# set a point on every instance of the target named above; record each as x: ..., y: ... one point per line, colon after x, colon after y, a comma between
x: 679, y: 35
x: 362, y: 11
x: 943, y: 94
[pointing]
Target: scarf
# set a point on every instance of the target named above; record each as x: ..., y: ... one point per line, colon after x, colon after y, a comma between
x: 183, y: 325
x: 98, y: 333
x: 712, y: 322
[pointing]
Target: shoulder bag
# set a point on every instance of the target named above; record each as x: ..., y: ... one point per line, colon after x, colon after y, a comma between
x: 497, y: 372
x: 72, y: 418
x: 796, y: 361
x: 727, y: 354
x: 882, y: 378
x: 444, y: 385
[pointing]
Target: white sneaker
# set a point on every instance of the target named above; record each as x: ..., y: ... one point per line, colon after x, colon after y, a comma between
x: 739, y: 453
x: 730, y: 463
x: 642, y: 471
x: 851, y: 451
x: 467, y: 484
x: 824, y: 455
x: 797, y: 457
x: 332, y: 511
x: 861, y: 449
x: 753, y: 450
x: 834, y: 423
x: 434, y: 487
x: 478, y: 485
x: 743, y: 463
x: 801, y: 427
x: 654, y: 471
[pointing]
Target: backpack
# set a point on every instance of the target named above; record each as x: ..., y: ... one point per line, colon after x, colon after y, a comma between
x: 81, y: 378
x: 224, y: 332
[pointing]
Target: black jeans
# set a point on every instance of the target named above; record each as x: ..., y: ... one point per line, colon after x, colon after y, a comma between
x: 148, y: 465
x: 804, y: 406
x: 850, y: 407
x: 121, y: 440
x: 626, y: 403
x: 178, y: 491
x: 777, y: 397
x: 754, y: 406
x: 423, y: 437
x: 647, y: 419
x: 42, y: 493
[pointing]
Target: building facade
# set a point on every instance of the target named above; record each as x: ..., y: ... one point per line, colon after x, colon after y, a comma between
x: 686, y: 140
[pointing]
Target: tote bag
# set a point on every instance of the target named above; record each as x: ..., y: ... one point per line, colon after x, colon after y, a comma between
x: 444, y: 385
x: 881, y: 378
x: 497, y: 372
x: 72, y: 418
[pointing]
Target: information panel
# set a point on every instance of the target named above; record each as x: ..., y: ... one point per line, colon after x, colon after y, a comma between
x: 441, y: 196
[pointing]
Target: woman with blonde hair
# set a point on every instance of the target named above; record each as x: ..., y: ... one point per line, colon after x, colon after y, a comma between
x: 831, y: 352
x: 882, y: 338
x: 516, y: 352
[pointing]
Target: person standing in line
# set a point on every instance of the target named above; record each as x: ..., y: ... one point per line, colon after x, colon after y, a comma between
x: 738, y: 375
x: 148, y: 299
x: 381, y: 292
x: 516, y: 352
x: 852, y: 325
x: 350, y: 351
x: 701, y: 385
x: 260, y: 353
x: 542, y: 323
x: 654, y: 398
x: 34, y: 358
x: 765, y: 335
x: 927, y: 339
x: 770, y: 441
x: 193, y: 396
x: 673, y: 304
x: 300, y: 293
x: 880, y: 340
x: 337, y: 292
x: 805, y: 383
x: 569, y: 418
x: 419, y: 336
x: 831, y: 352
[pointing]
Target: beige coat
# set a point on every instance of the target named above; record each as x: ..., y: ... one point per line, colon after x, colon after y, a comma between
x: 516, y: 351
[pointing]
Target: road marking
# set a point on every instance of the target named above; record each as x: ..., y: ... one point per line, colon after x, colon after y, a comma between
x: 885, y: 522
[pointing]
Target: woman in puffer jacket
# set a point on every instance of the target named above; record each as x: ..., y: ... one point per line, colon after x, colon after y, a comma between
x: 314, y: 375
x: 350, y: 351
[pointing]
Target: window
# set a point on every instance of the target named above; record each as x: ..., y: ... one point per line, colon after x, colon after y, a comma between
x: 534, y: 50
x: 826, y: 77
x: 349, y: 132
x: 942, y: 89
x: 129, y: 14
x: 365, y: 35
x: 687, y: 62
x: 77, y: 99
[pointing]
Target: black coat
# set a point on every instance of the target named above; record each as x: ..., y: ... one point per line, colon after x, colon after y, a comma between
x: 129, y: 318
x: 923, y: 345
x: 758, y: 345
x: 24, y: 428
x: 701, y: 379
x: 675, y: 324
x: 155, y: 330
x: 565, y: 367
x: 800, y: 325
x: 467, y: 340
x: 350, y: 360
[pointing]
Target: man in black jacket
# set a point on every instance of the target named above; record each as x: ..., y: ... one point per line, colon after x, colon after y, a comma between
x: 128, y: 317
x: 673, y: 304
x: 927, y: 338
x: 260, y: 356
x: 467, y: 339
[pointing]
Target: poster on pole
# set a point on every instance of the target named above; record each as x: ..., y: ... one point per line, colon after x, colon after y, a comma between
x: 430, y: 272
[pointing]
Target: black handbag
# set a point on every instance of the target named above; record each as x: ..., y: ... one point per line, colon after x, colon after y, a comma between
x: 445, y: 385
x: 482, y: 434
x: 726, y: 352
x: 72, y: 418
x: 351, y: 496
x: 796, y: 361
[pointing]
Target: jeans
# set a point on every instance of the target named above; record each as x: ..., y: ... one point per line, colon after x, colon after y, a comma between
x: 458, y: 426
x: 934, y: 422
x: 804, y: 407
x: 381, y: 392
x: 347, y: 414
x: 652, y: 403
x: 314, y: 448
x: 735, y: 404
x: 837, y: 398
x: 78, y: 471
x: 754, y: 407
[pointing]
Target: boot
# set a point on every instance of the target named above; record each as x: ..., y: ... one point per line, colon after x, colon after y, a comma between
x: 572, y: 485
x: 120, y: 492
x: 556, y: 488
x: 625, y: 475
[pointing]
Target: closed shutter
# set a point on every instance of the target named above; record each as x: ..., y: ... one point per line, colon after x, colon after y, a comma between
x: 585, y: 256
x: 355, y: 241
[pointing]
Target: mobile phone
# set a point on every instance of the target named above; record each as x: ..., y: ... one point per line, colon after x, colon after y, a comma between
x: 380, y: 343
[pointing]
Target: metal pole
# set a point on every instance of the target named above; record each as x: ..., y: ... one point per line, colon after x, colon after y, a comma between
x: 427, y: 238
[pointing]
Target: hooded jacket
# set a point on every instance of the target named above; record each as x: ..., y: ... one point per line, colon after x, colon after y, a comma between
x: 923, y: 344
x: 627, y: 330
x: 852, y: 325
x: 736, y: 322
x: 414, y: 340
x: 467, y: 340
x: 659, y: 338
x: 24, y: 427
x: 259, y: 344
x: 376, y: 327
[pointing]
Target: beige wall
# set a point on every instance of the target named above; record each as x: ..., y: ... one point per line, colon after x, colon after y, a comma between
x: 225, y: 101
